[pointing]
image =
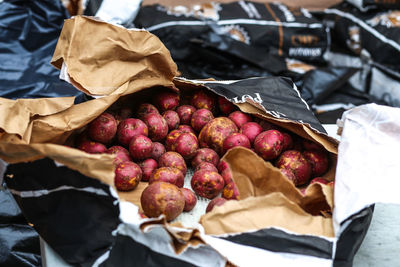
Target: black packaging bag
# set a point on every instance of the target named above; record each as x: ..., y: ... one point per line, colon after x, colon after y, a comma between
x: 292, y: 32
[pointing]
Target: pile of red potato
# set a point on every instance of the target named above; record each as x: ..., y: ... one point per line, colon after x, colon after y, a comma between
x: 155, y: 142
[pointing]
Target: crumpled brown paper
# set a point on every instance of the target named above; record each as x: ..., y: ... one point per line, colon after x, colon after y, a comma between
x: 266, y: 194
x: 104, y: 59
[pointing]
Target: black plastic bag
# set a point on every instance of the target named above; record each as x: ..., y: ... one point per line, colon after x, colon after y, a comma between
x: 74, y: 214
x: 19, y: 242
x: 319, y: 83
x: 29, y: 31
x: 293, y: 32
x: 374, y: 34
x: 224, y: 58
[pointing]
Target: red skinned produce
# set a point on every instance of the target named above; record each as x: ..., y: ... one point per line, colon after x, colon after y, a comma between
x: 168, y: 175
x: 173, y: 160
x: 268, y: 144
x: 239, y: 118
x: 157, y: 125
x: 185, y: 113
x: 121, y: 154
x: 140, y: 147
x: 162, y: 198
x: 103, y: 128
x: 148, y: 166
x: 297, y: 163
x: 190, y: 199
x: 207, y: 184
x: 205, y: 155
x: 166, y: 101
x: 127, y: 176
x: 200, y: 118
x: 92, y: 147
x: 129, y: 128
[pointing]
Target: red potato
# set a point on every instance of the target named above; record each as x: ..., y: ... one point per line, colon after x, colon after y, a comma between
x: 186, y: 129
x: 187, y: 145
x: 289, y: 174
x: 206, y: 166
x: 319, y: 161
x: 190, y: 199
x: 297, y: 163
x: 251, y: 130
x: 310, y: 145
x: 239, y: 118
x: 166, y: 101
x: 219, y: 201
x: 185, y: 113
x: 173, y: 160
x: 162, y: 198
x: 200, y: 118
x: 234, y: 140
x: 140, y: 147
x: 157, y: 150
x: 287, y: 142
x: 121, y: 154
x: 225, y: 106
x: 214, y: 133
x: 319, y: 180
x: 168, y: 175
x: 207, y: 184
x: 268, y: 144
x: 204, y: 99
x: 170, y: 141
x: 222, y: 165
x: 148, y: 166
x: 129, y: 128
x: 205, y: 155
x: 92, y: 147
x: 231, y: 191
x: 127, y: 176
x: 172, y: 119
x: 227, y: 176
x: 103, y: 128
x: 158, y: 127
x: 145, y: 109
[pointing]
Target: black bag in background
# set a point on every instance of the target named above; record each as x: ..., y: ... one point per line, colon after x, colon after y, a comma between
x: 290, y: 31
x: 224, y: 58
x: 374, y: 34
x: 30, y: 31
x: 365, y: 5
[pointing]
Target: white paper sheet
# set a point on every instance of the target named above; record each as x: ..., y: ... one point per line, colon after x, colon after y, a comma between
x: 368, y: 163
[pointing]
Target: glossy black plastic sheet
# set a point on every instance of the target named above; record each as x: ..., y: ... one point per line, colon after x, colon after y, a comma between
x: 29, y: 32
x: 224, y: 58
x: 19, y: 242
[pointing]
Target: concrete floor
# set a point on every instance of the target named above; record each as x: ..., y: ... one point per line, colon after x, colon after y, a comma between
x: 381, y: 245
